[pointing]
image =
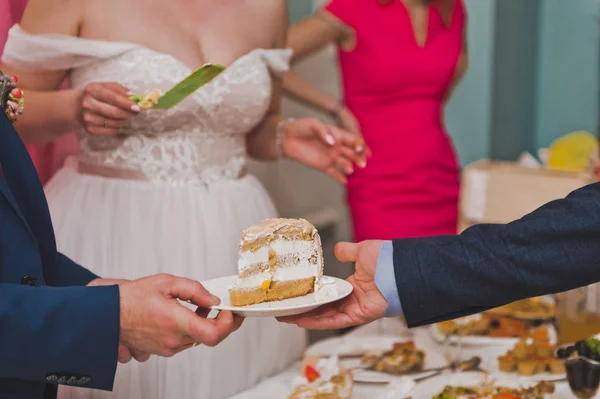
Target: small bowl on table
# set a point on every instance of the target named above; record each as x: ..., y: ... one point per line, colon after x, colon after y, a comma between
x: 583, y: 371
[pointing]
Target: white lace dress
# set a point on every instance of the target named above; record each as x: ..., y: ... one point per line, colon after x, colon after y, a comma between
x: 170, y: 194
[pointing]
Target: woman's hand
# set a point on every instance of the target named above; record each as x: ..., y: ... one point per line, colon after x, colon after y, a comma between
x: 105, y: 107
x: 324, y: 147
x: 346, y: 120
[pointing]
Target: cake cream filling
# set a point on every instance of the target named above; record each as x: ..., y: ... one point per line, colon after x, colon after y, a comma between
x: 281, y: 247
x: 301, y: 268
x: 287, y: 273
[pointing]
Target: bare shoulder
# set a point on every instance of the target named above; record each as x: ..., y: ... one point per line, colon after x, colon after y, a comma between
x: 53, y: 16
x: 272, y: 9
x: 274, y: 17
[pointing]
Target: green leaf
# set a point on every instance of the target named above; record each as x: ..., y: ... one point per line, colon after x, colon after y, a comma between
x: 193, y: 82
x: 187, y: 86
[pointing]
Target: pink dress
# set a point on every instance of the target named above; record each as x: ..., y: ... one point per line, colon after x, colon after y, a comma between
x: 396, y: 89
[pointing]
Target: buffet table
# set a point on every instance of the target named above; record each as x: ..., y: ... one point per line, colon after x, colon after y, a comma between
x: 280, y: 386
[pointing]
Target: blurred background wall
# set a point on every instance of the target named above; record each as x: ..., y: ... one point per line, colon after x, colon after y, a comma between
x: 567, y: 95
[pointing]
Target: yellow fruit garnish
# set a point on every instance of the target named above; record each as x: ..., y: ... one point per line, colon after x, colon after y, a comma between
x: 572, y: 151
x: 265, y: 284
x: 149, y: 99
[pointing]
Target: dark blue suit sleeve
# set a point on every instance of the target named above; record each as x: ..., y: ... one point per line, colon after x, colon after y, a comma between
x: 65, y: 273
x: 553, y: 249
x: 66, y: 331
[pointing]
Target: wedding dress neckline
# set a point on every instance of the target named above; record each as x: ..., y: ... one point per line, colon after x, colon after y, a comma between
x: 200, y: 141
x: 128, y: 46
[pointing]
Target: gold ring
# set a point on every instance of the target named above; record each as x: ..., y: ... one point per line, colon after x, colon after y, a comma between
x: 105, y: 123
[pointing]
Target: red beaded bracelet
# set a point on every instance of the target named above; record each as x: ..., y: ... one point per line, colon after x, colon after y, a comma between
x: 12, y: 98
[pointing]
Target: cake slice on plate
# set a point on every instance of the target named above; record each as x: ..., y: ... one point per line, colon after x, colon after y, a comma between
x: 323, y: 379
x: 279, y: 259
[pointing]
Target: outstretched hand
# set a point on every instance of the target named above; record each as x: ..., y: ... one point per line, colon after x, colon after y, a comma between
x: 364, y: 305
x: 327, y: 148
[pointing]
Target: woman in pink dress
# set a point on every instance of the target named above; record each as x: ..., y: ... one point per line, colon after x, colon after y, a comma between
x: 400, y: 60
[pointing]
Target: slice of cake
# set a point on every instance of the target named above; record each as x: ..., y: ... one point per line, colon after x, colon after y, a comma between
x: 279, y: 259
x: 323, y: 379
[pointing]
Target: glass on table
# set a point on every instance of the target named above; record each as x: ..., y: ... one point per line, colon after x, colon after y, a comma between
x: 577, y: 319
x: 454, y: 339
x: 578, y: 314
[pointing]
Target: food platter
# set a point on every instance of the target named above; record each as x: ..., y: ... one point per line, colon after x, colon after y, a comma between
x: 354, y: 351
x: 539, y: 308
x: 482, y: 384
x: 501, y: 326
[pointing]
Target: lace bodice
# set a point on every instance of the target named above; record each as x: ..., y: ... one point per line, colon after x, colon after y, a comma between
x: 199, y: 140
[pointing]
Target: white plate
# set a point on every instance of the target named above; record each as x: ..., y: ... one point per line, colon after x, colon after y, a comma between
x: 360, y: 344
x: 549, y: 299
x: 333, y: 289
x: 350, y: 345
x: 475, y: 340
x: 489, y: 362
x: 435, y: 385
x: 376, y: 377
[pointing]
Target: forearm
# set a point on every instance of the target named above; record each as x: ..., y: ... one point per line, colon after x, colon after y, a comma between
x: 48, y: 115
x: 261, y: 143
x: 553, y: 249
x: 47, y: 332
x: 301, y: 90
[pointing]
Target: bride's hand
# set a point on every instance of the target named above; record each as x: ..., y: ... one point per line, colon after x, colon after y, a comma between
x: 324, y: 147
x: 105, y: 107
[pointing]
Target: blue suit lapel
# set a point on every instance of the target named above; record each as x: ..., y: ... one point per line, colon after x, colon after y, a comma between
x: 22, y: 188
x: 5, y: 192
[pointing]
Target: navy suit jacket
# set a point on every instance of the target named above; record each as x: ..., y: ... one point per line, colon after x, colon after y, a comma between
x: 553, y: 249
x: 53, y: 329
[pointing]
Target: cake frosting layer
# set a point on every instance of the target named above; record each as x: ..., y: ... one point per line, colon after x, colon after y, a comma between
x: 269, y: 230
x: 302, y: 249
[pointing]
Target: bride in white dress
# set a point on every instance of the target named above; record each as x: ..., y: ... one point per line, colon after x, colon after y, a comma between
x: 167, y: 191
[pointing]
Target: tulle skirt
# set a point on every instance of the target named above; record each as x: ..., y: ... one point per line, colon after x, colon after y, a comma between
x: 130, y: 229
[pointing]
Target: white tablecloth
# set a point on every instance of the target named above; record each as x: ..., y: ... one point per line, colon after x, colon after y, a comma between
x: 280, y: 386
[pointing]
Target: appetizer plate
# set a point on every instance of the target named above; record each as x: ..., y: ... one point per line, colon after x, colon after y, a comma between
x: 333, y: 289
x: 548, y: 312
x: 482, y: 340
x: 435, y: 385
x: 376, y: 377
x: 489, y: 362
x: 351, y: 348
x: 353, y: 345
